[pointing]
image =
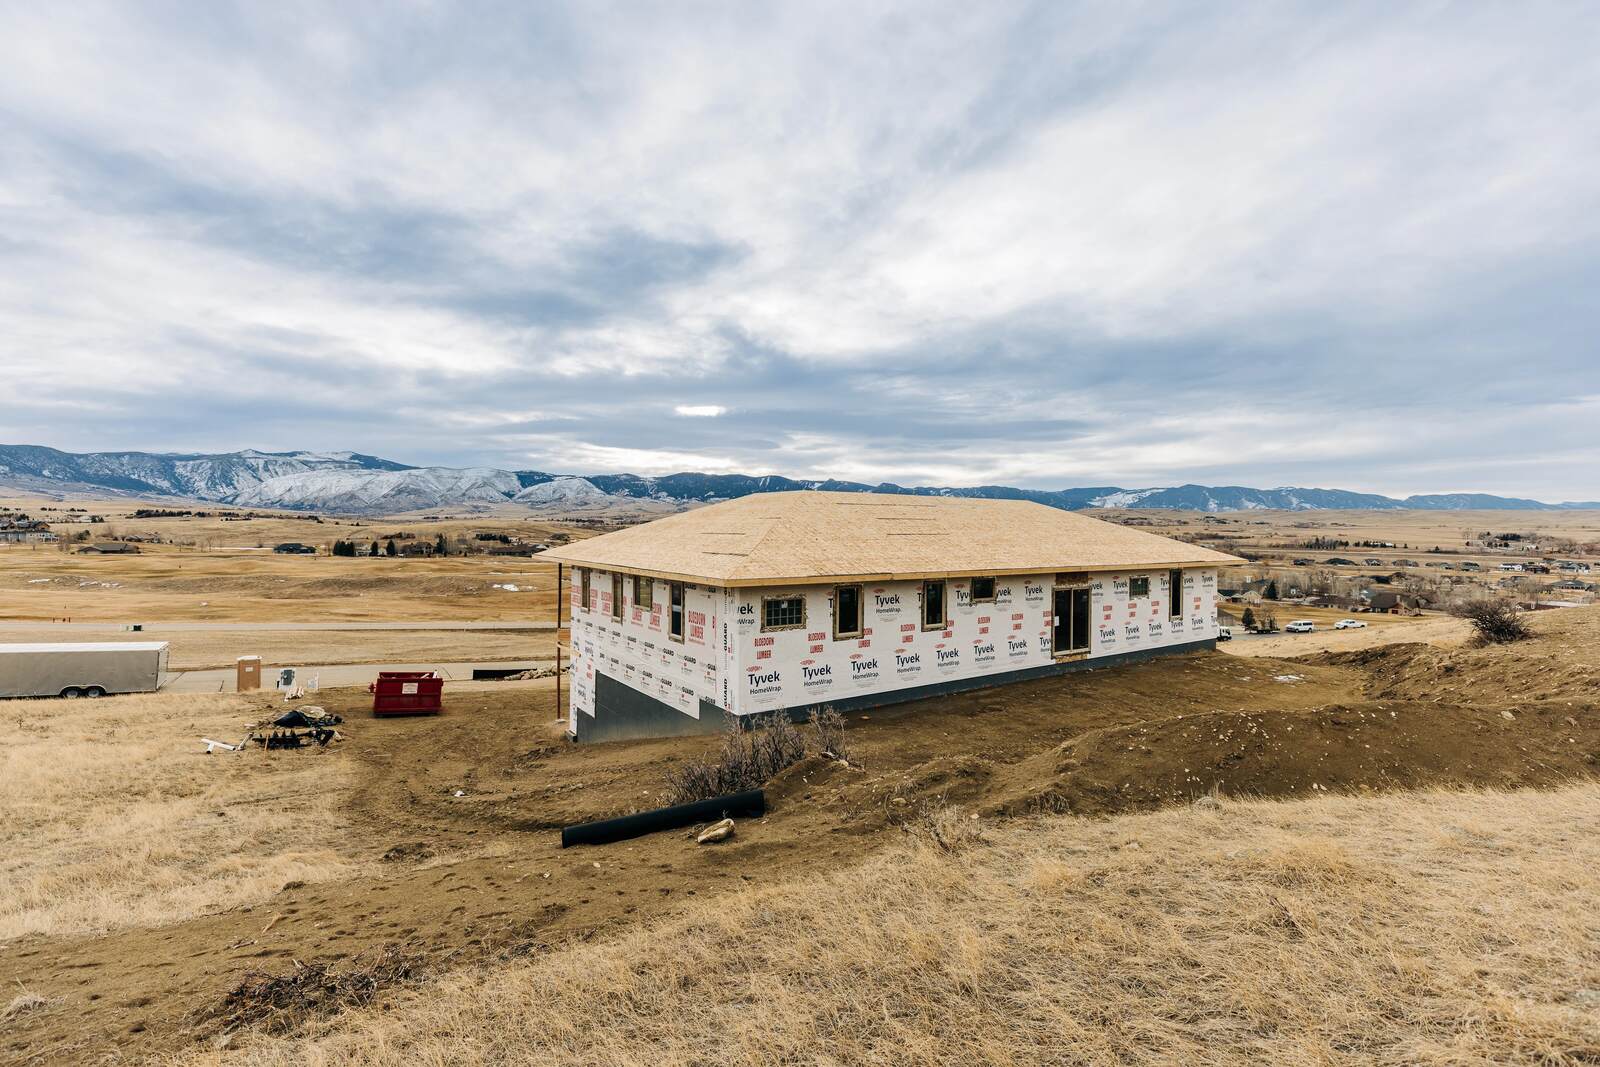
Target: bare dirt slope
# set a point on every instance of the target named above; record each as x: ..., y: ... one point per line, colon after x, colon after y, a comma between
x: 1561, y: 664
x: 478, y: 876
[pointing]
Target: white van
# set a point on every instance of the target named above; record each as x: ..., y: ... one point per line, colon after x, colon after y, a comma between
x: 1300, y: 626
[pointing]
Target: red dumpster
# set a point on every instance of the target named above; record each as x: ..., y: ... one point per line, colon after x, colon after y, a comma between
x: 407, y: 693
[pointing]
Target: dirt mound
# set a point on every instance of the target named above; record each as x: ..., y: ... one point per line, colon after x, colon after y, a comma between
x: 1548, y: 667
x: 1303, y: 752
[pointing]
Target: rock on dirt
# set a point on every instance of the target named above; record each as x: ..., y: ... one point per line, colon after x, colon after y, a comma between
x: 716, y: 832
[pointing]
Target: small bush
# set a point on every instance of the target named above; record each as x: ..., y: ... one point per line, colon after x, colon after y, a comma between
x: 747, y: 759
x: 827, y: 728
x: 942, y: 828
x: 1496, y: 621
x: 22, y: 1004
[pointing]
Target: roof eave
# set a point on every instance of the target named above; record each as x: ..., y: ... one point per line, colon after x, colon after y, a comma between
x: 747, y: 582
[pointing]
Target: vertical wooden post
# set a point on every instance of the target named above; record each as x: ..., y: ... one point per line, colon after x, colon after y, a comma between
x: 559, y: 598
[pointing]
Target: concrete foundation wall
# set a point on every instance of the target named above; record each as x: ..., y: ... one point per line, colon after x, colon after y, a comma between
x: 638, y: 652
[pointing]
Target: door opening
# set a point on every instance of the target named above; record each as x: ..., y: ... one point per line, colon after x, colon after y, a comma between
x: 1071, y: 621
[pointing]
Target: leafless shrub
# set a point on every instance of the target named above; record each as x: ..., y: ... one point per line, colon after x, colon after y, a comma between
x: 943, y: 828
x: 827, y: 727
x: 748, y: 759
x: 21, y: 1004
x: 1497, y: 622
x: 280, y: 1003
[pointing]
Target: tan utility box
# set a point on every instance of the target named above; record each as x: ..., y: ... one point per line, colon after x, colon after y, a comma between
x: 249, y: 673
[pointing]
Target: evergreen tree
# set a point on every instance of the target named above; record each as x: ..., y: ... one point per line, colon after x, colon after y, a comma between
x: 391, y: 549
x: 1249, y: 619
x: 440, y: 548
x: 1272, y: 590
x: 374, y: 550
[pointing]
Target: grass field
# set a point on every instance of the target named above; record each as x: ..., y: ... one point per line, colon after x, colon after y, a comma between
x: 170, y: 586
x: 114, y: 818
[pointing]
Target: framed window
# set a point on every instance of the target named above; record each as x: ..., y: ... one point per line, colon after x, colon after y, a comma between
x: 1138, y: 587
x: 616, y: 597
x: 782, y: 613
x: 982, y: 589
x: 583, y: 582
x: 846, y: 611
x: 675, y: 612
x: 643, y: 591
x: 933, y: 605
x: 1174, y: 593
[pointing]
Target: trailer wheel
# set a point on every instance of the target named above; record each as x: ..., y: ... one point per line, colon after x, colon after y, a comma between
x: 94, y: 691
x: 72, y: 691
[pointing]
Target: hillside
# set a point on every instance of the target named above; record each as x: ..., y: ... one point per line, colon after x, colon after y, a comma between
x: 352, y: 483
x: 1421, y: 929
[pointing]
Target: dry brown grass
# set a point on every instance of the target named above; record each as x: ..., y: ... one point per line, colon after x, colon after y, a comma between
x: 163, y: 584
x: 1437, y: 928
x: 201, y: 649
x: 114, y: 817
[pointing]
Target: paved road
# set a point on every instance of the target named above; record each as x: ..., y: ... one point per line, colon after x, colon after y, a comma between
x: 327, y: 677
x: 247, y: 627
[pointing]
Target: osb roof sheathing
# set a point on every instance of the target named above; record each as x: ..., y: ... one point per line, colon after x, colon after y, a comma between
x: 816, y: 537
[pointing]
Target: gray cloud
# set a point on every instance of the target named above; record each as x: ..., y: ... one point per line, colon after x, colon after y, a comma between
x: 1040, y: 244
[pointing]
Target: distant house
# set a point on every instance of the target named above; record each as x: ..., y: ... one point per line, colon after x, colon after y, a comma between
x: 1373, y: 561
x: 1395, y: 603
x: 519, y: 549
x: 1405, y: 563
x: 1571, y: 583
x: 295, y: 548
x: 111, y: 548
x: 1338, y: 561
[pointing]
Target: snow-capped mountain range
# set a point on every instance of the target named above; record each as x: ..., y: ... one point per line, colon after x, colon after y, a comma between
x: 352, y: 483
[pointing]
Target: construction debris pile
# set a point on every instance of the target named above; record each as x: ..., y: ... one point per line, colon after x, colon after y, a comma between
x: 537, y: 673
x: 298, y: 728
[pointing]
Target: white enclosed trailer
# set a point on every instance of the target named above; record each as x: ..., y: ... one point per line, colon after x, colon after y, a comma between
x: 86, y: 669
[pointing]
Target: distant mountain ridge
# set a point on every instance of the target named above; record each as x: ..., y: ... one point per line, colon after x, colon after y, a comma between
x: 353, y: 483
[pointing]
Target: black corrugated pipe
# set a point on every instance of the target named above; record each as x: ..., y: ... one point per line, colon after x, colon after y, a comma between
x: 752, y: 803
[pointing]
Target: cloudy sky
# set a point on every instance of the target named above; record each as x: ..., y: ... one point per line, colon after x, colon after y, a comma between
x: 1133, y: 244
